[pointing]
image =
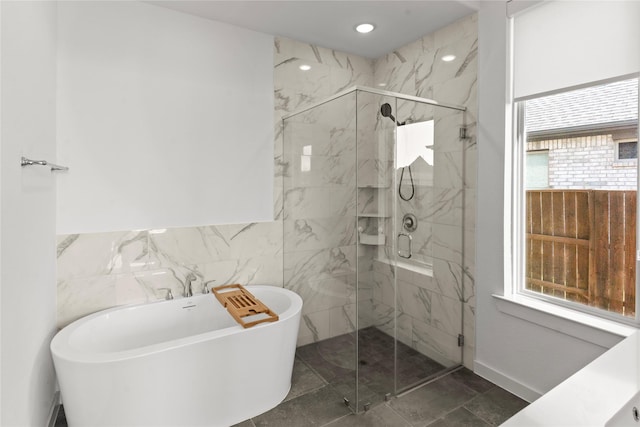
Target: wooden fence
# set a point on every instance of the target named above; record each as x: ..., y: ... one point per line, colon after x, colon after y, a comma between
x: 581, y: 247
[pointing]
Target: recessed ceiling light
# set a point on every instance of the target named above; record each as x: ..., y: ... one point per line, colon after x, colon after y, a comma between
x: 365, y: 28
x: 382, y: 84
x: 305, y: 67
x: 448, y: 58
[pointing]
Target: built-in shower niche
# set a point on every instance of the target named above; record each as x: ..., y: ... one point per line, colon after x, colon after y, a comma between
x: 375, y: 320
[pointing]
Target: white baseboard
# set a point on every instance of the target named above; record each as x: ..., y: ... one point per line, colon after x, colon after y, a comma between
x: 506, y: 382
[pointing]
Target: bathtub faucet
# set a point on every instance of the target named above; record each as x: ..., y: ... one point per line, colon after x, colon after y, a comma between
x: 187, y: 285
x: 205, y: 286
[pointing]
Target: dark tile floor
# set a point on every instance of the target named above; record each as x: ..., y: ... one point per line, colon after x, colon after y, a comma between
x: 334, y: 360
x: 323, y: 372
x: 459, y: 398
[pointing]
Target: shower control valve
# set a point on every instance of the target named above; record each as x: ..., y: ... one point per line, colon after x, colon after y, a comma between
x: 410, y: 222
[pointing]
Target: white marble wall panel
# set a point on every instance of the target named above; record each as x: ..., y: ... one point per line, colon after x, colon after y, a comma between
x: 446, y: 314
x: 417, y: 69
x: 447, y: 170
x: 423, y: 246
x: 187, y: 246
x: 331, y: 72
x: 319, y: 202
x: 383, y: 283
x: 447, y: 242
x: 314, y: 327
x: 469, y: 334
x: 102, y: 270
x: 447, y: 124
x: 445, y: 206
x: 465, y: 51
x: 319, y: 130
x: 198, y: 245
x: 320, y: 233
x: 374, y: 172
x: 100, y: 254
x: 79, y: 297
x: 423, y: 176
x: 404, y: 329
x: 435, y: 343
x: 342, y: 319
x: 323, y: 171
x: 368, y: 132
x: 327, y: 293
x: 358, y: 68
x: 415, y: 301
x: 302, y: 266
x: 383, y: 317
x: 423, y: 306
x: 447, y: 279
x: 259, y: 270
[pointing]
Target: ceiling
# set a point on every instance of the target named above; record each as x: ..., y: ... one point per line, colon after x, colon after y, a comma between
x: 331, y: 23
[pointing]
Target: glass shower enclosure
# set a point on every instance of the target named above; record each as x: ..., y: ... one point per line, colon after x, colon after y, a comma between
x: 373, y: 208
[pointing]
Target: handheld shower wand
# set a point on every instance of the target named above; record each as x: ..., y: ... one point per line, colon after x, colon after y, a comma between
x: 385, y: 110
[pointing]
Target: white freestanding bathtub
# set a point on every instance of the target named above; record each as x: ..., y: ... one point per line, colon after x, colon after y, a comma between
x: 183, y: 362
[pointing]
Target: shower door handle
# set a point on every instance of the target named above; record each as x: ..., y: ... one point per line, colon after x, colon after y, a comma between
x: 406, y: 253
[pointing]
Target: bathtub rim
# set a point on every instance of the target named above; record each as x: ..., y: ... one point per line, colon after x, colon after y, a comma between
x: 61, y: 349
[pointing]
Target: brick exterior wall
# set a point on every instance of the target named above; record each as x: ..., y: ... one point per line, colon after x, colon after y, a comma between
x: 587, y: 163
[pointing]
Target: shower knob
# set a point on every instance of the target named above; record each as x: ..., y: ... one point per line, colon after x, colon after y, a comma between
x: 410, y: 222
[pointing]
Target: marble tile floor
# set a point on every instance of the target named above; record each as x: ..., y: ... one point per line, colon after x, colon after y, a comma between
x: 323, y: 374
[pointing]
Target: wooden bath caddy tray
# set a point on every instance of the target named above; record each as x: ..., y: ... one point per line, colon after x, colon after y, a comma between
x: 240, y: 303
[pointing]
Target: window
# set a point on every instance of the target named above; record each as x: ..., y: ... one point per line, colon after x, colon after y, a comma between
x: 578, y: 207
x: 537, y: 169
x: 627, y: 150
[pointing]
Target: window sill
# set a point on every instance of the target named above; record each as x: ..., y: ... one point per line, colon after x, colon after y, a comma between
x: 593, y: 329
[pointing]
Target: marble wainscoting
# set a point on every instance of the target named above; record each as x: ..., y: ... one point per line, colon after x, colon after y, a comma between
x: 102, y: 270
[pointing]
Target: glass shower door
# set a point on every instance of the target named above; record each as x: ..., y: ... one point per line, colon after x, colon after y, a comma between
x: 376, y: 271
x: 373, y: 226
x: 319, y: 220
x: 428, y: 198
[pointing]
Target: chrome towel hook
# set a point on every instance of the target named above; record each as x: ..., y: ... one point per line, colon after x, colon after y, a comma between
x: 28, y: 162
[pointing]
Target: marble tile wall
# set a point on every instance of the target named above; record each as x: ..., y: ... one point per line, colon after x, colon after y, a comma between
x: 376, y: 142
x: 319, y: 180
x: 102, y: 270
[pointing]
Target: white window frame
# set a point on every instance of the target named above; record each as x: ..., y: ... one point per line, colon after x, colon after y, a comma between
x: 518, y: 232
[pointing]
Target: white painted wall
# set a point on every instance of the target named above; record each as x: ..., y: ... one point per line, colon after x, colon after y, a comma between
x: 165, y: 119
x: 524, y: 357
x: 27, y: 219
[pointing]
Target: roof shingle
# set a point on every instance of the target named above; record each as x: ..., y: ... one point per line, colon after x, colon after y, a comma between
x: 608, y: 103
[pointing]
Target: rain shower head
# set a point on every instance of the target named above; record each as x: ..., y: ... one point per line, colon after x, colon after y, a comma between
x: 385, y: 110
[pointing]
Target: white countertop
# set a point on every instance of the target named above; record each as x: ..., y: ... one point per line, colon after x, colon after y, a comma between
x: 592, y: 395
